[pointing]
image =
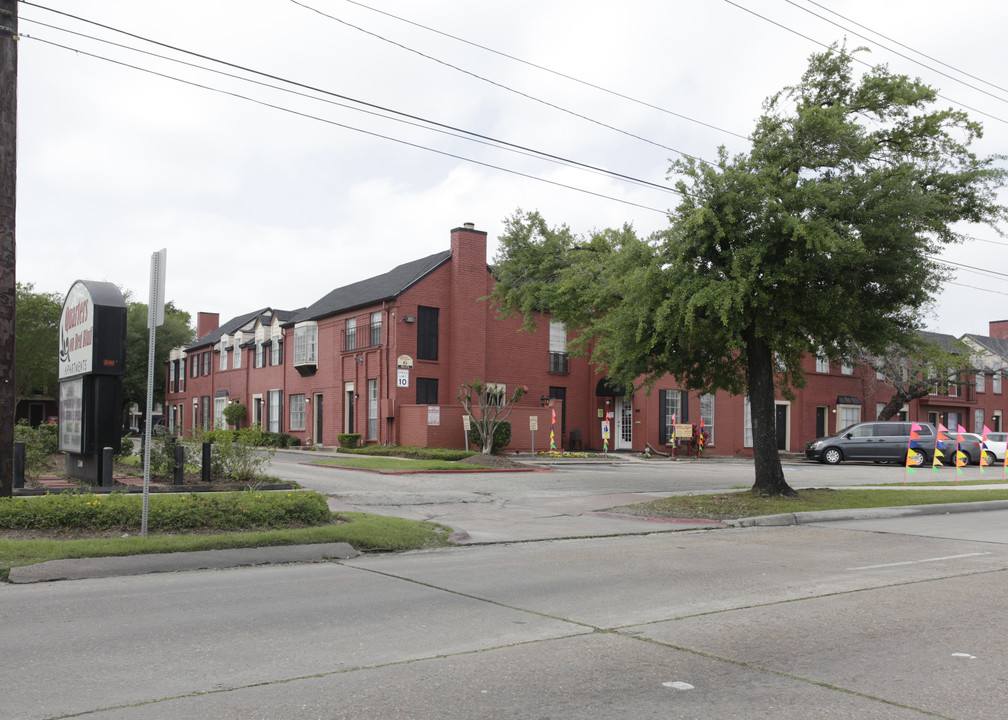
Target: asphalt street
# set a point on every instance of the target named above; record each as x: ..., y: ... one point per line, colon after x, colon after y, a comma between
x: 892, y: 618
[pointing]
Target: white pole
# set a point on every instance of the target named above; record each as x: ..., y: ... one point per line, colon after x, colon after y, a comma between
x: 155, y: 316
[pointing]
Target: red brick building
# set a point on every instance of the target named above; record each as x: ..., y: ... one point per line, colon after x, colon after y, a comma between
x: 385, y: 357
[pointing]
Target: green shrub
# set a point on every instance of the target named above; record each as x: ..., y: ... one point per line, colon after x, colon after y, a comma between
x: 245, y: 510
x: 40, y: 443
x: 348, y: 440
x: 410, y: 451
x: 234, y: 414
x: 501, y: 438
x: 125, y: 446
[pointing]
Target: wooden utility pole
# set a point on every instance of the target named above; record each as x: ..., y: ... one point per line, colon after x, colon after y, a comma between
x: 8, y: 196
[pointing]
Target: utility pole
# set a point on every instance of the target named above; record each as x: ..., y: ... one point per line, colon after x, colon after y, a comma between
x: 8, y: 197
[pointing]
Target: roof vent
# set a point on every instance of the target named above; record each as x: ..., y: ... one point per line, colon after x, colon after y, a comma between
x: 469, y: 226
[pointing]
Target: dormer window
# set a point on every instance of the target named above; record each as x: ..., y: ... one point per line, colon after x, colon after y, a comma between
x: 306, y: 346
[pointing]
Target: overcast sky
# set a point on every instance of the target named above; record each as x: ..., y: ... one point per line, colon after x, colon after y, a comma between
x: 272, y: 194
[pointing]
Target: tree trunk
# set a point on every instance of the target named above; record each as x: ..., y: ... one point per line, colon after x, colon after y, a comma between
x: 766, y: 459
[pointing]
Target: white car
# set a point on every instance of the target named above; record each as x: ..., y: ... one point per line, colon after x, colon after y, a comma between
x: 995, y: 446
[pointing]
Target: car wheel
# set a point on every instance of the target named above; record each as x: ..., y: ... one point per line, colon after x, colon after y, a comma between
x: 831, y: 456
x: 915, y: 458
x: 989, y: 457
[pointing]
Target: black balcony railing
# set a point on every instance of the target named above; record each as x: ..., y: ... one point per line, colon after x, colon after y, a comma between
x: 558, y: 363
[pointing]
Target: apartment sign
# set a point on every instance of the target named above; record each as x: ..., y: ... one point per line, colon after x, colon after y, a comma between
x: 76, y: 333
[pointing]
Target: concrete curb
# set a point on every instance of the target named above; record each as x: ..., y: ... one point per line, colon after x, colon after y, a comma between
x: 78, y: 569
x: 804, y: 518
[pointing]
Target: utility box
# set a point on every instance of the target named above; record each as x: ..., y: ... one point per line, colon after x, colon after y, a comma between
x: 92, y: 360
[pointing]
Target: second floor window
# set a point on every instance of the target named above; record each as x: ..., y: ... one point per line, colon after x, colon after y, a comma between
x: 305, y: 344
x: 427, y: 333
x: 351, y: 334
x: 376, y: 328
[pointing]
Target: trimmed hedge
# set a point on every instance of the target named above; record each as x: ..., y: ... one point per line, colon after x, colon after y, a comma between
x: 247, y: 510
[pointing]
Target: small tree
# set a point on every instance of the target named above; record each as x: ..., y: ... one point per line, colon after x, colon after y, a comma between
x: 234, y: 414
x: 493, y: 409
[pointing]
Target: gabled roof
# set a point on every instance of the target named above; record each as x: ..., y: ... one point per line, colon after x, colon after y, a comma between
x: 238, y: 323
x: 995, y: 346
x: 949, y: 343
x: 374, y: 290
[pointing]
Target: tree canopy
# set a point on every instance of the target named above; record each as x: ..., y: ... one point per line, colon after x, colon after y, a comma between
x: 175, y: 331
x: 36, y: 338
x: 819, y: 239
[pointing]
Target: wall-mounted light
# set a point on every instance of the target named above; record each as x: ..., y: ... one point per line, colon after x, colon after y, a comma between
x: 307, y: 400
x: 544, y: 401
x: 359, y: 359
x: 410, y: 318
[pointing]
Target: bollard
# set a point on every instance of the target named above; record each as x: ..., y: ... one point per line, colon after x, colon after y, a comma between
x: 19, y: 464
x: 206, y: 464
x: 106, y: 467
x: 179, y: 465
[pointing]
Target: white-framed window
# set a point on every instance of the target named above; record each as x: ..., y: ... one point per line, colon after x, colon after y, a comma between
x: 274, y: 401
x: 372, y: 412
x: 223, y: 356
x: 297, y: 412
x: 260, y: 357
x: 376, y: 328
x: 821, y: 364
x: 306, y: 343
x: 276, y: 351
x: 351, y: 333
x: 847, y: 415
x: 171, y: 376
x: 979, y: 381
x: 219, y: 404
x: 496, y: 393
x: 996, y: 382
x: 846, y: 369
x: 236, y: 364
x: 707, y: 415
x: 978, y: 420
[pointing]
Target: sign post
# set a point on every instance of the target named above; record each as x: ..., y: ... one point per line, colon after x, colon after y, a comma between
x: 533, y: 426
x: 155, y: 317
x: 92, y: 359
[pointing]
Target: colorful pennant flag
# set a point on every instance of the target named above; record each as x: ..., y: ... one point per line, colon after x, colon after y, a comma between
x: 983, y: 450
x: 700, y: 440
x: 961, y: 458
x: 552, y: 431
x: 913, y: 451
x: 938, y: 454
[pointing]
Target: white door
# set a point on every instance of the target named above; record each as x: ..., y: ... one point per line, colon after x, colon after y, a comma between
x: 623, y: 424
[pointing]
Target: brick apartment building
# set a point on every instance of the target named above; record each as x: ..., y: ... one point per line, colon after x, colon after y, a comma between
x: 385, y: 357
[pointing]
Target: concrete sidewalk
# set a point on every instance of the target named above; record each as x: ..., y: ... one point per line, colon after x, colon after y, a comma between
x: 537, y: 520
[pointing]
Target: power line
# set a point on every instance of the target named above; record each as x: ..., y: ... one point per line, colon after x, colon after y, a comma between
x: 517, y: 150
x: 343, y: 125
x: 918, y: 52
x: 822, y: 44
x: 498, y: 84
x: 896, y: 52
x: 364, y: 103
x: 586, y: 83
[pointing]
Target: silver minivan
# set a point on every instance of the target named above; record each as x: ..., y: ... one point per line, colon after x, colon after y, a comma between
x: 877, y: 441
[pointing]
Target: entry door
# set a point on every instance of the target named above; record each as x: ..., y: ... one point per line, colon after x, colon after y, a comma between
x: 781, y: 423
x: 623, y: 424
x: 317, y: 432
x: 820, y: 422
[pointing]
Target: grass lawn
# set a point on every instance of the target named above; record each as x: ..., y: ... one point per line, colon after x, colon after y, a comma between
x: 392, y: 464
x: 742, y: 504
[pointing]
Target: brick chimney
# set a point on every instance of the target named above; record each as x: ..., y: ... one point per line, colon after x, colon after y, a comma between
x: 206, y: 322
x: 999, y: 329
x: 470, y: 281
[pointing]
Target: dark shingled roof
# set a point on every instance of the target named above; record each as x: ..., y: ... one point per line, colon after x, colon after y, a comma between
x: 373, y: 290
x: 950, y: 343
x: 998, y: 346
x: 236, y: 323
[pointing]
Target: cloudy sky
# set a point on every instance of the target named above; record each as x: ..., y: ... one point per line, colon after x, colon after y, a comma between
x: 323, y: 167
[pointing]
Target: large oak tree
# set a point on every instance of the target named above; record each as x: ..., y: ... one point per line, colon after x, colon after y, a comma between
x: 819, y: 239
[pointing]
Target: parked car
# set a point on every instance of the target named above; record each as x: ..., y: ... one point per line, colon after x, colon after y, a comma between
x: 996, y: 442
x: 877, y: 441
x: 970, y: 445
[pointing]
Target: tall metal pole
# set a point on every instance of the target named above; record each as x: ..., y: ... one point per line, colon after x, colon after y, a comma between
x: 8, y: 198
